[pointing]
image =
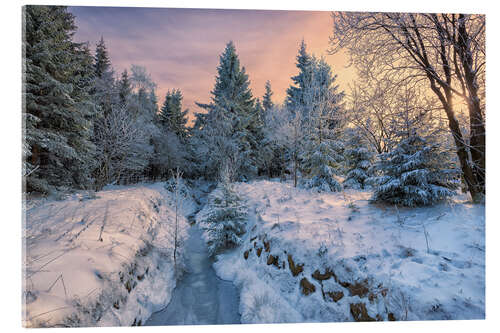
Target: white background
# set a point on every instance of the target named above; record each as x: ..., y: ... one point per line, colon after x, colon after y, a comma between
x: 10, y: 156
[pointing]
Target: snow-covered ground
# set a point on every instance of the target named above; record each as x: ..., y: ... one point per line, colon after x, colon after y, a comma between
x: 101, y: 260
x: 336, y: 257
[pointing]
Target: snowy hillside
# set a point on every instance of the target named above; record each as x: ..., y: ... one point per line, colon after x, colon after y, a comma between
x: 335, y: 257
x: 104, y: 259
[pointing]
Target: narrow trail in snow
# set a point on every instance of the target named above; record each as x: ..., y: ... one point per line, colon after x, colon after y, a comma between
x: 200, y: 297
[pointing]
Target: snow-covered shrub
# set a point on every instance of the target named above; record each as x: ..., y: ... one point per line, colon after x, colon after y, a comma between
x: 223, y: 219
x: 171, y: 186
x: 415, y: 173
x: 318, y: 162
x: 359, y: 161
x: 322, y: 184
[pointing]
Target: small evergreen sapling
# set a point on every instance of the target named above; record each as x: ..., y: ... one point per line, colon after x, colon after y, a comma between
x: 318, y: 162
x: 359, y: 163
x: 359, y: 168
x: 415, y: 173
x: 224, y: 220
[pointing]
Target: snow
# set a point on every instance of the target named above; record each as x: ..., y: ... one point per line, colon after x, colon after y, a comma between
x: 415, y: 263
x: 102, y: 259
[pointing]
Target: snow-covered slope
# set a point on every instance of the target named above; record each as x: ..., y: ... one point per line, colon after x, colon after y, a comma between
x: 335, y: 257
x: 101, y: 260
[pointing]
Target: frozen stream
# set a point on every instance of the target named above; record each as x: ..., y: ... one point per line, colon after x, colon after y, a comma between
x: 200, y: 297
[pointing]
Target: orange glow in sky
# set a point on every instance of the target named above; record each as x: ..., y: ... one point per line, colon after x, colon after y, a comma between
x: 181, y: 47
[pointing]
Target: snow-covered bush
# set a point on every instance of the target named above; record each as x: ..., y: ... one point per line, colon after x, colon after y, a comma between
x: 359, y: 162
x: 172, y: 183
x: 415, y: 173
x: 223, y: 219
x: 322, y: 184
x: 318, y: 162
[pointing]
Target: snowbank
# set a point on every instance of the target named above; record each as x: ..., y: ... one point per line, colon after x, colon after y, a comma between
x: 101, y: 260
x: 312, y: 257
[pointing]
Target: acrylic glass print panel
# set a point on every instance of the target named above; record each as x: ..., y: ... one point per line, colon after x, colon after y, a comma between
x: 202, y: 166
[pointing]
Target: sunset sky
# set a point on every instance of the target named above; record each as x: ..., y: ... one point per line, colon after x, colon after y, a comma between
x: 181, y: 47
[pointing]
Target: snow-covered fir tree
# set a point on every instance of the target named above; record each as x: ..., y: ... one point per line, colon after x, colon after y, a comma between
x: 267, y: 101
x: 415, y: 173
x: 223, y: 220
x: 359, y: 161
x: 58, y: 109
x: 104, y: 90
x: 319, y: 163
x: 102, y: 64
x: 232, y: 123
x: 171, y: 150
x: 259, y: 111
x: 316, y: 98
x: 124, y: 87
x: 171, y: 115
x: 295, y: 93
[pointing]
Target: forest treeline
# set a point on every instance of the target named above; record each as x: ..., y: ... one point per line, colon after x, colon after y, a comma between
x: 86, y: 126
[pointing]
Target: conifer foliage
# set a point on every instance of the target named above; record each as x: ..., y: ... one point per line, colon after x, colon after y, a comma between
x: 359, y: 162
x: 267, y: 102
x: 224, y: 218
x: 296, y: 92
x: 86, y: 128
x: 104, y: 89
x: 414, y: 174
x: 58, y: 109
x: 316, y: 100
x: 231, y: 125
x: 171, y: 115
x: 124, y: 87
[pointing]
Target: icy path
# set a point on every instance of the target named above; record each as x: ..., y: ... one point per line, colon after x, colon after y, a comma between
x: 200, y: 298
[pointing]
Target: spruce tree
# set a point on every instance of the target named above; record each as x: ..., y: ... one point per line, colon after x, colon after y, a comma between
x: 102, y: 63
x: 171, y: 115
x: 267, y: 102
x: 415, y: 173
x: 319, y: 163
x: 322, y: 124
x: 259, y: 111
x: 359, y: 161
x: 124, y: 87
x: 224, y: 218
x: 58, y: 109
x: 295, y: 100
x: 104, y: 92
x: 232, y: 121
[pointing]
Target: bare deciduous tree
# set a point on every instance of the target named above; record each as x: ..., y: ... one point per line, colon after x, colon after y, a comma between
x: 386, y: 112
x: 121, y: 146
x: 444, y: 50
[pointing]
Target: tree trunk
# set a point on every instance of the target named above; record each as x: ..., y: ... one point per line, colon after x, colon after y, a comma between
x: 462, y: 153
x: 294, y: 171
x: 477, y: 128
x: 34, y: 155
